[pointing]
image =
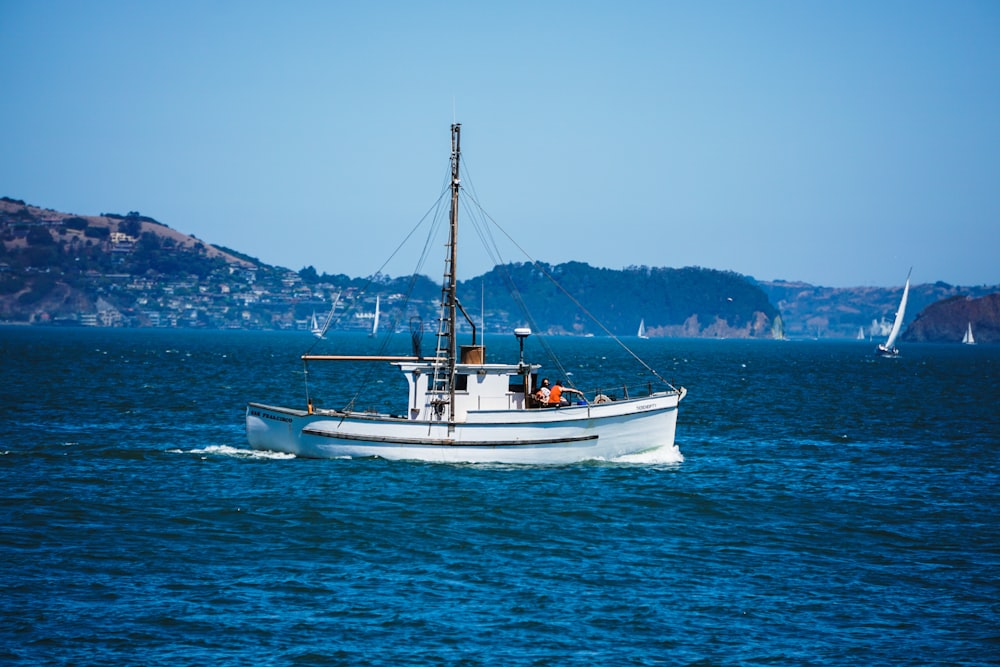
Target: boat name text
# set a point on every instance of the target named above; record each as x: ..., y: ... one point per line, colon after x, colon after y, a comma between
x: 264, y: 415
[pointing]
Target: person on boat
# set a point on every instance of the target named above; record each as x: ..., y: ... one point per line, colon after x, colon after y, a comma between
x: 557, y: 391
x: 542, y: 394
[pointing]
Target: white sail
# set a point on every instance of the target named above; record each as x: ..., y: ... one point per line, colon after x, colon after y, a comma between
x: 642, y: 329
x: 778, y: 328
x: 375, y: 320
x: 968, y: 338
x: 861, y: 333
x: 897, y: 323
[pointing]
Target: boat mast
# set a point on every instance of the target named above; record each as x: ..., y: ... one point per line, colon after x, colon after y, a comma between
x: 452, y: 293
x: 443, y: 387
x: 451, y: 273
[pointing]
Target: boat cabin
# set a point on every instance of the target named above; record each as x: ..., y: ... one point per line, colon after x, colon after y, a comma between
x: 478, y: 386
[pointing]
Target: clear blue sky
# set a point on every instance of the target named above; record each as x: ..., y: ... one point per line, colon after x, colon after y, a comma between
x: 838, y: 143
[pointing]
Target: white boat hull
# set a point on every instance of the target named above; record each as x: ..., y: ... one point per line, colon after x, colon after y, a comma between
x: 540, y: 436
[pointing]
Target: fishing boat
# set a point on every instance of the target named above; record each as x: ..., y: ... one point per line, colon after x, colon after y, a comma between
x: 642, y: 329
x: 968, y: 338
x: 888, y: 348
x: 462, y: 408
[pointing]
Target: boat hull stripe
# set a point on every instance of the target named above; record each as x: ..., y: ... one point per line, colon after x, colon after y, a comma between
x: 445, y: 442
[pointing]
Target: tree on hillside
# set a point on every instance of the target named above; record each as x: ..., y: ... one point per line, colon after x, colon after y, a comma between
x: 308, y: 275
x: 131, y: 225
x: 39, y: 236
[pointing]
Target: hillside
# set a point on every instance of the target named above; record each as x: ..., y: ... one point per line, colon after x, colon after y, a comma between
x: 131, y: 270
x: 24, y: 227
x: 946, y: 321
x: 57, y: 266
x: 690, y: 302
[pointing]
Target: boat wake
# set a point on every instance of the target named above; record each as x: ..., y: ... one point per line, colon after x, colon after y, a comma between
x: 235, y: 452
x: 660, y: 455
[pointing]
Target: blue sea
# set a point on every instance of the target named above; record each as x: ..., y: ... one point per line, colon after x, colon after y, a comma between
x: 824, y: 507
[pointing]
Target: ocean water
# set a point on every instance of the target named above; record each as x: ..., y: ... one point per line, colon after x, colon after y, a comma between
x: 824, y: 507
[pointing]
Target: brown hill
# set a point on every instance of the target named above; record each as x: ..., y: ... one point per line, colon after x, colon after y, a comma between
x: 59, y: 266
x: 946, y: 321
x: 18, y: 218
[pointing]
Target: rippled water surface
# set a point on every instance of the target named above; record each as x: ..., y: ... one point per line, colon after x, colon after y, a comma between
x: 826, y: 508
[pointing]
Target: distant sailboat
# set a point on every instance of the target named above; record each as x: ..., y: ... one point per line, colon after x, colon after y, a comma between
x: 642, y: 329
x: 968, y: 339
x: 314, y: 326
x: 861, y: 333
x: 778, y: 328
x: 888, y: 348
x: 375, y: 320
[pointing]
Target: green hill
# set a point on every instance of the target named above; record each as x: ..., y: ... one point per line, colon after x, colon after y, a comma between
x: 690, y: 301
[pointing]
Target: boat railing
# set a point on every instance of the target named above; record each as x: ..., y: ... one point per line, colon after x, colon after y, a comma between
x: 603, y: 394
x: 623, y: 392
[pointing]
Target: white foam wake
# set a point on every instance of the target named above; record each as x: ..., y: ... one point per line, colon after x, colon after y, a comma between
x: 226, y: 450
x: 660, y: 455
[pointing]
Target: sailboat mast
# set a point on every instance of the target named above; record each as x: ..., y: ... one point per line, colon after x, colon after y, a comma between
x: 452, y: 289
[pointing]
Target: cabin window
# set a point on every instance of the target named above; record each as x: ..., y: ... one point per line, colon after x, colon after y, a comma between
x: 461, y: 382
x: 516, y: 384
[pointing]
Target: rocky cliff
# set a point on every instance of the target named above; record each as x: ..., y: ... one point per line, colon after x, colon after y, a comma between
x: 946, y: 321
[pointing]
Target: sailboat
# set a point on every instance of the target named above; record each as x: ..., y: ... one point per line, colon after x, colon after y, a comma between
x: 374, y: 331
x: 462, y: 408
x: 642, y: 329
x: 888, y: 348
x: 320, y: 330
x: 861, y: 333
x: 968, y: 338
